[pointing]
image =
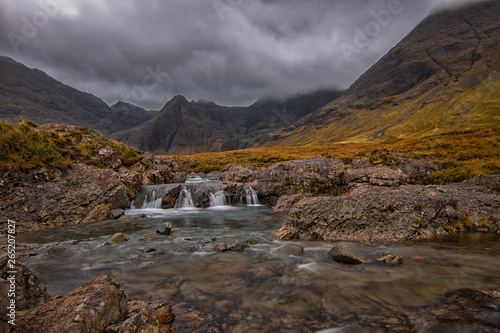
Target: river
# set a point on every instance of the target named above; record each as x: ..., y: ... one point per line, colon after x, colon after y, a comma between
x: 260, y: 289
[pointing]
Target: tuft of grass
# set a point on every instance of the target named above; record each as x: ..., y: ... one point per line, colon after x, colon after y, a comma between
x: 24, y: 148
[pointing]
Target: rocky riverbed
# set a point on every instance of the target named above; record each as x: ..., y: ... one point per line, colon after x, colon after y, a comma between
x: 221, y: 271
x: 226, y: 264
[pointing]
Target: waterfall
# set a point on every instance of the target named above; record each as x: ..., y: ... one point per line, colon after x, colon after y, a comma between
x: 194, y: 179
x: 251, y: 196
x: 152, y: 202
x: 217, y: 199
x: 185, y: 199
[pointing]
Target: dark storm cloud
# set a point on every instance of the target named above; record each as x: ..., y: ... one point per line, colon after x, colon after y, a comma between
x: 229, y: 51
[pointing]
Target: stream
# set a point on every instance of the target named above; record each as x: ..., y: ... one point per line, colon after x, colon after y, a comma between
x: 260, y: 289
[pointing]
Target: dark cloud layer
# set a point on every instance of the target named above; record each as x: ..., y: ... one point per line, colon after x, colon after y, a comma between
x: 229, y: 51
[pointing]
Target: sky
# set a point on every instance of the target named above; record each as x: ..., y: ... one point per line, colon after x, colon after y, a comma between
x: 232, y: 52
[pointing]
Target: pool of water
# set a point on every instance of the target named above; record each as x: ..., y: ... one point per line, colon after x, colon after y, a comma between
x: 260, y: 289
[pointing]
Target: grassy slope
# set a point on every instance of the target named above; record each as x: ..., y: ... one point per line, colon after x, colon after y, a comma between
x: 24, y: 147
x: 462, y: 154
x: 439, y: 110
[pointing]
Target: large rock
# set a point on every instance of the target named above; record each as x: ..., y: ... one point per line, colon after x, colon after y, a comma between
x: 91, y: 308
x: 83, y: 194
x: 30, y: 291
x: 314, y: 175
x: 347, y: 253
x: 100, y: 305
x: 381, y: 214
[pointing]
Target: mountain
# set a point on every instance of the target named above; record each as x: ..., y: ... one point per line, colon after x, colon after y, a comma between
x: 130, y: 115
x: 31, y: 94
x: 184, y: 127
x: 442, y: 76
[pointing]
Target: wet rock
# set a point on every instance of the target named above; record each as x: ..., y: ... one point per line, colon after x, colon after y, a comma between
x: 208, y: 240
x: 194, y: 248
x: 165, y: 228
x: 116, y: 213
x: 249, y: 241
x: 392, y: 259
x: 100, y: 305
x: 291, y: 250
x: 30, y: 291
x: 117, y: 238
x: 150, y: 237
x: 91, y: 308
x: 221, y: 247
x: 152, y: 253
x: 84, y: 193
x: 236, y: 246
x: 155, y: 317
x: 380, y: 214
x: 347, y: 253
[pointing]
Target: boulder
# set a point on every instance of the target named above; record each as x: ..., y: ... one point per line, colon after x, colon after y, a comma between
x: 347, y: 253
x: 236, y: 246
x: 91, y: 308
x: 313, y: 175
x: 221, y: 247
x: 291, y: 250
x: 117, y: 238
x: 83, y: 194
x: 116, y: 213
x: 377, y: 214
x: 100, y: 305
x: 165, y: 228
x: 30, y: 291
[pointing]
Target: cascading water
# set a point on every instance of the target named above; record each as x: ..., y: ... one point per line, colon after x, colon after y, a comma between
x: 185, y: 199
x: 152, y: 202
x: 217, y: 199
x: 251, y: 196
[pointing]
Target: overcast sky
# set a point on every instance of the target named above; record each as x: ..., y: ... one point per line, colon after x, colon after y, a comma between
x: 228, y: 51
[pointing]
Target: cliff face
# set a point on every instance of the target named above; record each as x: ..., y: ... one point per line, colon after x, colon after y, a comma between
x: 443, y: 76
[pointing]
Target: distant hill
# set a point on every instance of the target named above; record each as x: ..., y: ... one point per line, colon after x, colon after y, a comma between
x: 182, y: 127
x: 31, y: 94
x: 443, y: 76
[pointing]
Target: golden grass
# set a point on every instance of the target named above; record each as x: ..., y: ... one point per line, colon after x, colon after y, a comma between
x: 461, y: 154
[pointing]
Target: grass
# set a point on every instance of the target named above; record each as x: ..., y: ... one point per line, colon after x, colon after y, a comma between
x: 25, y: 147
x: 460, y: 154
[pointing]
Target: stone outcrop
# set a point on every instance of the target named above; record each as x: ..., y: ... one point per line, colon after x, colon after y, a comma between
x: 314, y: 175
x: 385, y: 214
x: 97, y: 186
x: 30, y: 291
x: 84, y: 193
x: 100, y: 305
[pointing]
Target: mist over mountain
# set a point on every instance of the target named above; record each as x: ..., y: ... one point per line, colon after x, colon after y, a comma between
x: 182, y: 127
x: 443, y: 76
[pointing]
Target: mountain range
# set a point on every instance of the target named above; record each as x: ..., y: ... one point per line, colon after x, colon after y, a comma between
x: 444, y: 75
